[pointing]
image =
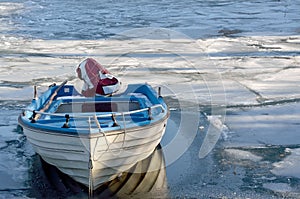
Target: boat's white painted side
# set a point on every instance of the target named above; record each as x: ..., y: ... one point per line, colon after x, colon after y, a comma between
x: 109, y: 154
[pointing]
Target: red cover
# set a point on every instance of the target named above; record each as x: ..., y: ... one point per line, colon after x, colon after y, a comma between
x: 98, y: 80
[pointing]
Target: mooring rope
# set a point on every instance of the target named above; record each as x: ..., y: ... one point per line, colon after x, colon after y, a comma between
x: 91, y: 184
x: 108, y: 144
x: 90, y: 167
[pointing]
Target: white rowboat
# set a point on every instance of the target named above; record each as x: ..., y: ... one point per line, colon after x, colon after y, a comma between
x: 94, y: 139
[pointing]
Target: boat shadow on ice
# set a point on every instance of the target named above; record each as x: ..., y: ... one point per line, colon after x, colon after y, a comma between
x: 146, y: 179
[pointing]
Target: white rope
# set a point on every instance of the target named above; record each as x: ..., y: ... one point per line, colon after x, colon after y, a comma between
x: 124, y: 124
x: 106, y: 139
x: 90, y: 167
x: 91, y: 184
x: 101, y: 131
x: 89, y: 121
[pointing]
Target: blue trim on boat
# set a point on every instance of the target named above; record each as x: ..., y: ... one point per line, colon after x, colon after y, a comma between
x: 54, y: 123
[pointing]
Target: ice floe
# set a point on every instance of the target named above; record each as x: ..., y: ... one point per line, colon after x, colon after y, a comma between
x: 289, y: 166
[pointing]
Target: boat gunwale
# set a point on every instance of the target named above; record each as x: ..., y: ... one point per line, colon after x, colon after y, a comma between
x: 88, y: 114
x: 76, y: 133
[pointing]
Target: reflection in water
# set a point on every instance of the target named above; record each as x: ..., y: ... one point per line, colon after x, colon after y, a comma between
x: 146, y: 179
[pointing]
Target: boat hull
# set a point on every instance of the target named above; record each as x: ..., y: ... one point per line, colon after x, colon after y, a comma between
x: 97, y: 158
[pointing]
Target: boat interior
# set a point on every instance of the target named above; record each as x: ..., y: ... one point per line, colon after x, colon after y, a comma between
x: 98, y: 106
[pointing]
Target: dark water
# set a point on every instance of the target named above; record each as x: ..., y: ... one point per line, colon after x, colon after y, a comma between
x: 101, y: 19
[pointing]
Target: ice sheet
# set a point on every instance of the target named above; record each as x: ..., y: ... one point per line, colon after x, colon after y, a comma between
x: 245, y: 70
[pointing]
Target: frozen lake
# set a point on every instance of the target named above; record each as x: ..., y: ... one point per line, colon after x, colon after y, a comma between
x: 229, y: 71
